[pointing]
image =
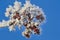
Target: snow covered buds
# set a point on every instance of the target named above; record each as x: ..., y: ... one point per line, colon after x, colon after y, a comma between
x: 31, y: 16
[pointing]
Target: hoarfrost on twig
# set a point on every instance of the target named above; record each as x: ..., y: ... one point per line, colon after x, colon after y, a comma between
x: 24, y: 15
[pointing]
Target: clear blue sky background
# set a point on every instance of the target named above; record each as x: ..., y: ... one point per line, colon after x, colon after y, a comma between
x: 51, y: 29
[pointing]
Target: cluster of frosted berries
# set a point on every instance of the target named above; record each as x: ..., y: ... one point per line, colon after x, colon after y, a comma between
x: 31, y: 16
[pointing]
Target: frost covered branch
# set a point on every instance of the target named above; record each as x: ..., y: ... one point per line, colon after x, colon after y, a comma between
x: 31, y: 16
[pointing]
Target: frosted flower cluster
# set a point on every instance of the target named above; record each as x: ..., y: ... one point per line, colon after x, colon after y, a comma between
x: 29, y: 15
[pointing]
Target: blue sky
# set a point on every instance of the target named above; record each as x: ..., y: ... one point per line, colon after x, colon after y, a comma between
x: 51, y: 29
